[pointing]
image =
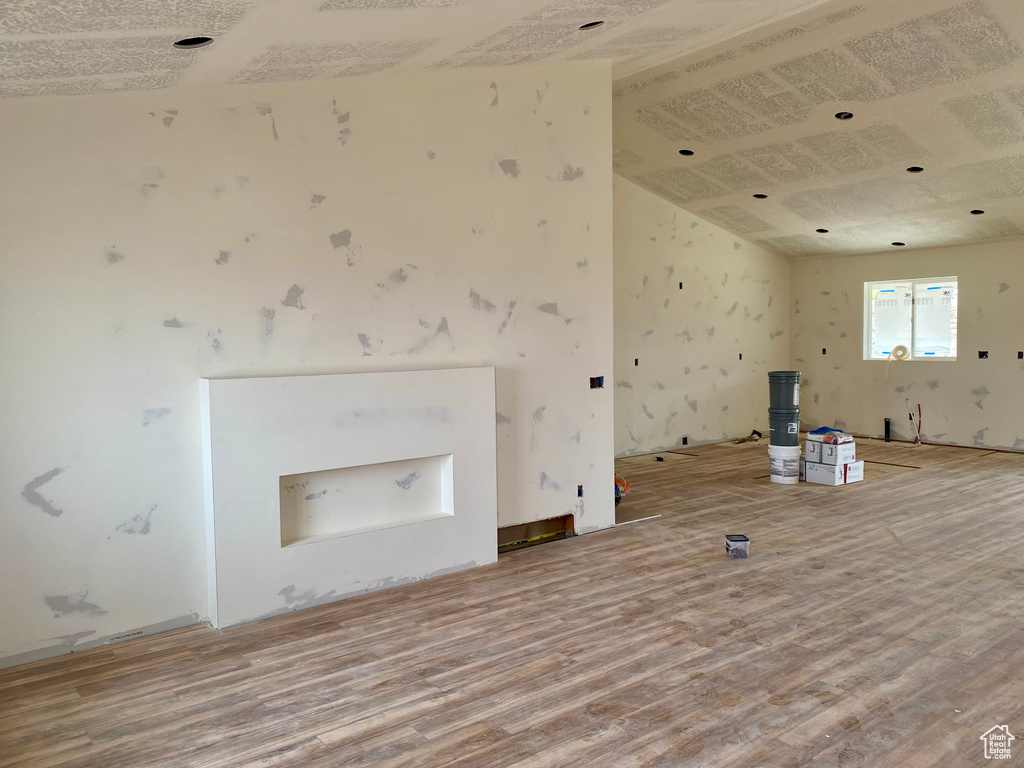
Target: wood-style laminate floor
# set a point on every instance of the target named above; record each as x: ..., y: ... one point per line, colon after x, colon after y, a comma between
x: 878, y: 624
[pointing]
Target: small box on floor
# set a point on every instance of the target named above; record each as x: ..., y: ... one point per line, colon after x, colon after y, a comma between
x: 844, y: 453
x: 737, y: 545
x: 813, y: 452
x: 835, y: 474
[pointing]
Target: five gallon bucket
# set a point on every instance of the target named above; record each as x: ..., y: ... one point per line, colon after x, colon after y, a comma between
x: 785, y: 463
x: 784, y: 390
x: 784, y: 427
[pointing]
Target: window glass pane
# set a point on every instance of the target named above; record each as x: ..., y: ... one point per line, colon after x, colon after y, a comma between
x: 892, y: 310
x: 935, y: 319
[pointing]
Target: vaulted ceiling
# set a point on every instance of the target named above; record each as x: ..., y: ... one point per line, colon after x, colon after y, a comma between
x: 933, y: 86
x: 750, y: 88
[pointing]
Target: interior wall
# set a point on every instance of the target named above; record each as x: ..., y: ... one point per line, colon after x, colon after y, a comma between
x: 432, y: 221
x: 968, y: 401
x: 690, y: 299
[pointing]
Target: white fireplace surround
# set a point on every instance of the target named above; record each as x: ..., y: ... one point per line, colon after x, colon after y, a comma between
x: 324, y: 487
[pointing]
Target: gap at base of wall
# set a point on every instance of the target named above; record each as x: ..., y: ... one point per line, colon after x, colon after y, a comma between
x: 514, y: 537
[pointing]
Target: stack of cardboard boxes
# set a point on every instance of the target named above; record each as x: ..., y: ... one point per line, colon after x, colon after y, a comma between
x: 830, y: 458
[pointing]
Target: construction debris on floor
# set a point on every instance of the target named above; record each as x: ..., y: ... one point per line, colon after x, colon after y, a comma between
x: 830, y: 458
x: 737, y: 545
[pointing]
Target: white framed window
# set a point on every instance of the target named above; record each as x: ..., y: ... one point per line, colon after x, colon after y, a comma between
x: 919, y: 314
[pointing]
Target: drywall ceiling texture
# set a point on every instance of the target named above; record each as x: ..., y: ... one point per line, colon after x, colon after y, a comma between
x: 937, y: 84
x: 969, y: 401
x: 440, y: 220
x: 89, y: 46
x: 690, y: 298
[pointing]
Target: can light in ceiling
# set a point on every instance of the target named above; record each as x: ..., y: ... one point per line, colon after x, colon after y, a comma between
x: 761, y: 196
x: 193, y: 42
x: 686, y: 152
x: 915, y: 169
x: 844, y: 115
x: 821, y: 231
x: 590, y: 25
x: 898, y: 243
x: 977, y: 212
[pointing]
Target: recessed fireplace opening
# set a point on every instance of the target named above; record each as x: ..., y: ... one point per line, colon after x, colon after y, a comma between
x: 350, y: 500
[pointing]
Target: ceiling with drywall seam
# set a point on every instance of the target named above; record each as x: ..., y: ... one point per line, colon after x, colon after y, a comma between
x: 55, y: 47
x: 937, y: 84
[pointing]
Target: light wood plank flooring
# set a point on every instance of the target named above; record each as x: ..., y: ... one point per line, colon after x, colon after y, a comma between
x: 879, y: 624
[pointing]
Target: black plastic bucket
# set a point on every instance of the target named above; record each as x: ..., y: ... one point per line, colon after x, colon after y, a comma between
x: 784, y: 390
x: 784, y: 426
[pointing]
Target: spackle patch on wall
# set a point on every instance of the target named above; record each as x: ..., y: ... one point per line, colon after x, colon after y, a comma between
x: 509, y: 166
x: 265, y: 109
x: 508, y: 317
x: 267, y: 323
x: 408, y: 481
x: 223, y: 257
x: 173, y: 323
x: 478, y: 302
x: 294, y: 298
x: 306, y: 598
x: 149, y: 415
x: 140, y: 524
x: 216, y: 345
x: 370, y: 345
x: 569, y: 173
x: 339, y: 239
x: 546, y: 482
x: 62, y: 605
x: 32, y: 495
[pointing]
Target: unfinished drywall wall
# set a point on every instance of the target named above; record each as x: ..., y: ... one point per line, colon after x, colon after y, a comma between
x: 970, y: 401
x: 690, y: 300
x: 434, y: 221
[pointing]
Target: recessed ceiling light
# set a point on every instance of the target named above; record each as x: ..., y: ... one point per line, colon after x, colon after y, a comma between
x: 193, y: 42
x: 899, y: 243
x: 844, y: 115
x: 915, y: 169
x: 685, y: 152
x: 977, y: 212
x: 591, y: 25
x: 761, y: 196
x: 822, y: 231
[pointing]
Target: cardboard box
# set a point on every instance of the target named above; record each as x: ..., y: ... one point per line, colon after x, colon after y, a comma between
x: 825, y: 474
x: 844, y: 453
x: 835, y: 474
x: 854, y: 472
x: 813, y: 452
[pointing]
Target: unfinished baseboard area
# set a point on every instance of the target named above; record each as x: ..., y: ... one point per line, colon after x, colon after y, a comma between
x: 323, y: 487
x: 538, y: 532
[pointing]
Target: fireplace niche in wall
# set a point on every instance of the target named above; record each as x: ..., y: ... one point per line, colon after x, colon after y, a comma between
x: 350, y: 500
x: 334, y: 485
